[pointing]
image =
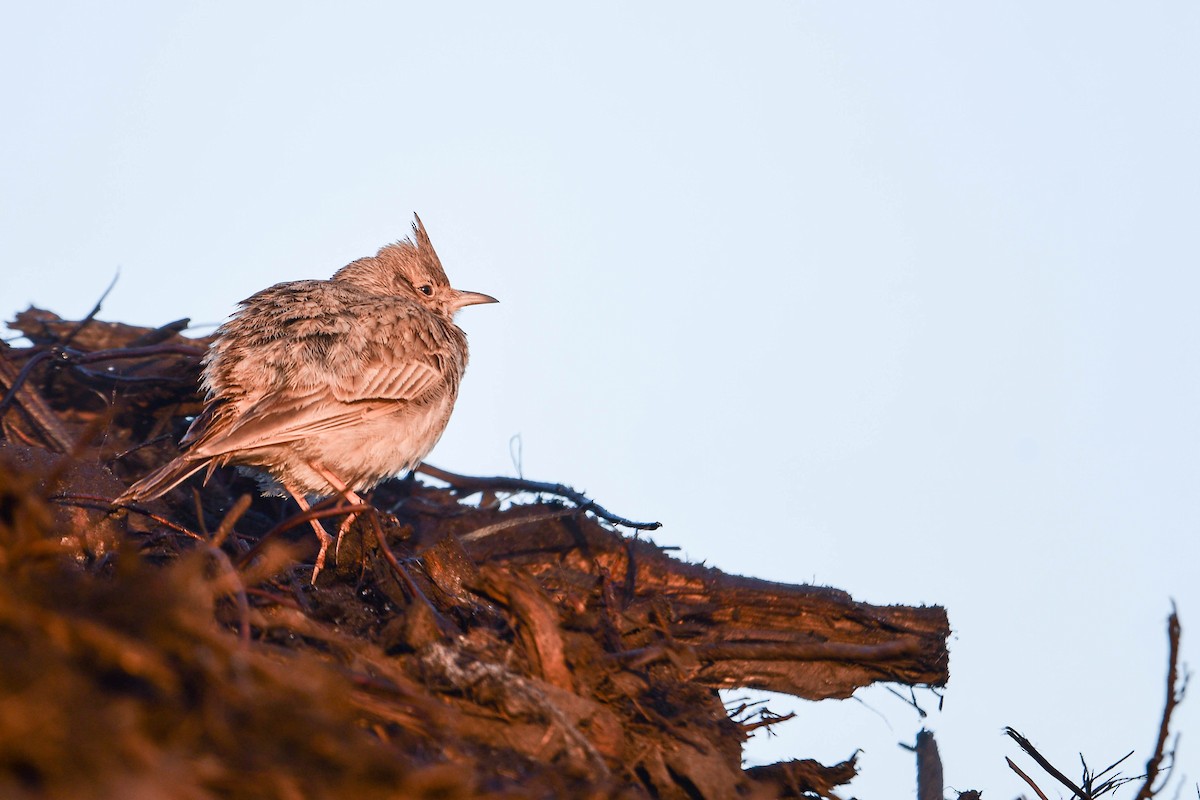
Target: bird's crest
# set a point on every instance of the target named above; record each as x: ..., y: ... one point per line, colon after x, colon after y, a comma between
x: 413, y: 257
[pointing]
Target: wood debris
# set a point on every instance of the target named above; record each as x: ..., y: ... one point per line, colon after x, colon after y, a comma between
x: 471, y: 641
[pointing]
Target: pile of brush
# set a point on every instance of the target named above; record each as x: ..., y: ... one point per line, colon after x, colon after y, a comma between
x: 477, y: 637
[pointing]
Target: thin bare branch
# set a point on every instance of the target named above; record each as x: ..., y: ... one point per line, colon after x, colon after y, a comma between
x: 231, y: 518
x: 99, y: 503
x: 1174, y: 695
x: 1053, y: 771
x: 83, y: 323
x: 1026, y: 778
x: 503, y: 484
x: 238, y: 592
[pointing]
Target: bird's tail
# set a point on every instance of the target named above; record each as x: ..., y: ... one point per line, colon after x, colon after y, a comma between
x: 162, y: 480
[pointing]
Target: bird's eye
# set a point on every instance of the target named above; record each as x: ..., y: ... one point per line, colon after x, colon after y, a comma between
x: 427, y: 290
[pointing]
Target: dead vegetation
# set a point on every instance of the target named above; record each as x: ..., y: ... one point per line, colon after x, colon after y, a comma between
x: 1094, y: 784
x: 465, y: 645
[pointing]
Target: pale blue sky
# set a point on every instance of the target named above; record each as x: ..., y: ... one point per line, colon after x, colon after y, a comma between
x: 895, y: 297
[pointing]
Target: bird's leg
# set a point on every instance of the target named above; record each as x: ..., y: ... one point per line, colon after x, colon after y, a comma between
x: 322, y: 535
x: 346, y: 493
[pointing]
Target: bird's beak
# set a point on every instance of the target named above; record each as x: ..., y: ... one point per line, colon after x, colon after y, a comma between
x: 472, y: 299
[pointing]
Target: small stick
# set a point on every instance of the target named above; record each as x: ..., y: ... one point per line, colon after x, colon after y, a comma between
x: 239, y: 593
x: 1026, y: 778
x: 1033, y: 753
x: 83, y: 323
x: 523, y: 485
x: 231, y: 518
x: 105, y: 504
x: 1173, y: 697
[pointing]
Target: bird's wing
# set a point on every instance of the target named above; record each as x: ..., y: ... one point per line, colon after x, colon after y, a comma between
x: 291, y: 373
x: 269, y: 424
x: 388, y: 376
x: 288, y: 414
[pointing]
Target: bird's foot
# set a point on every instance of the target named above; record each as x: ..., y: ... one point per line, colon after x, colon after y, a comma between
x: 345, y: 526
x: 325, y: 540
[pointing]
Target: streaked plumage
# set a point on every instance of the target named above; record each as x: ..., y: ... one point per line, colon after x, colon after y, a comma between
x: 319, y: 383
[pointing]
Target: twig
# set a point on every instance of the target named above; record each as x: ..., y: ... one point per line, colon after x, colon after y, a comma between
x: 239, y: 593
x: 910, y: 700
x: 105, y: 504
x: 70, y: 357
x: 1173, y: 697
x: 161, y: 333
x: 83, y: 323
x: 114, y: 378
x: 1105, y: 785
x: 503, y: 484
x: 1026, y: 778
x: 148, y: 443
x: 444, y: 627
x: 231, y: 518
x: 122, y: 353
x: 766, y: 721
x: 1044, y: 764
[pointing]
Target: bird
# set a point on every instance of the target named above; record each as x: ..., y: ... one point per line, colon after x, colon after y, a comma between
x: 327, y: 387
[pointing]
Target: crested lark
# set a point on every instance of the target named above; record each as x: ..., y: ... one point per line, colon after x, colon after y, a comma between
x: 329, y: 387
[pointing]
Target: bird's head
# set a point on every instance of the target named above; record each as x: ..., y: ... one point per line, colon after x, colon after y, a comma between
x: 411, y: 268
